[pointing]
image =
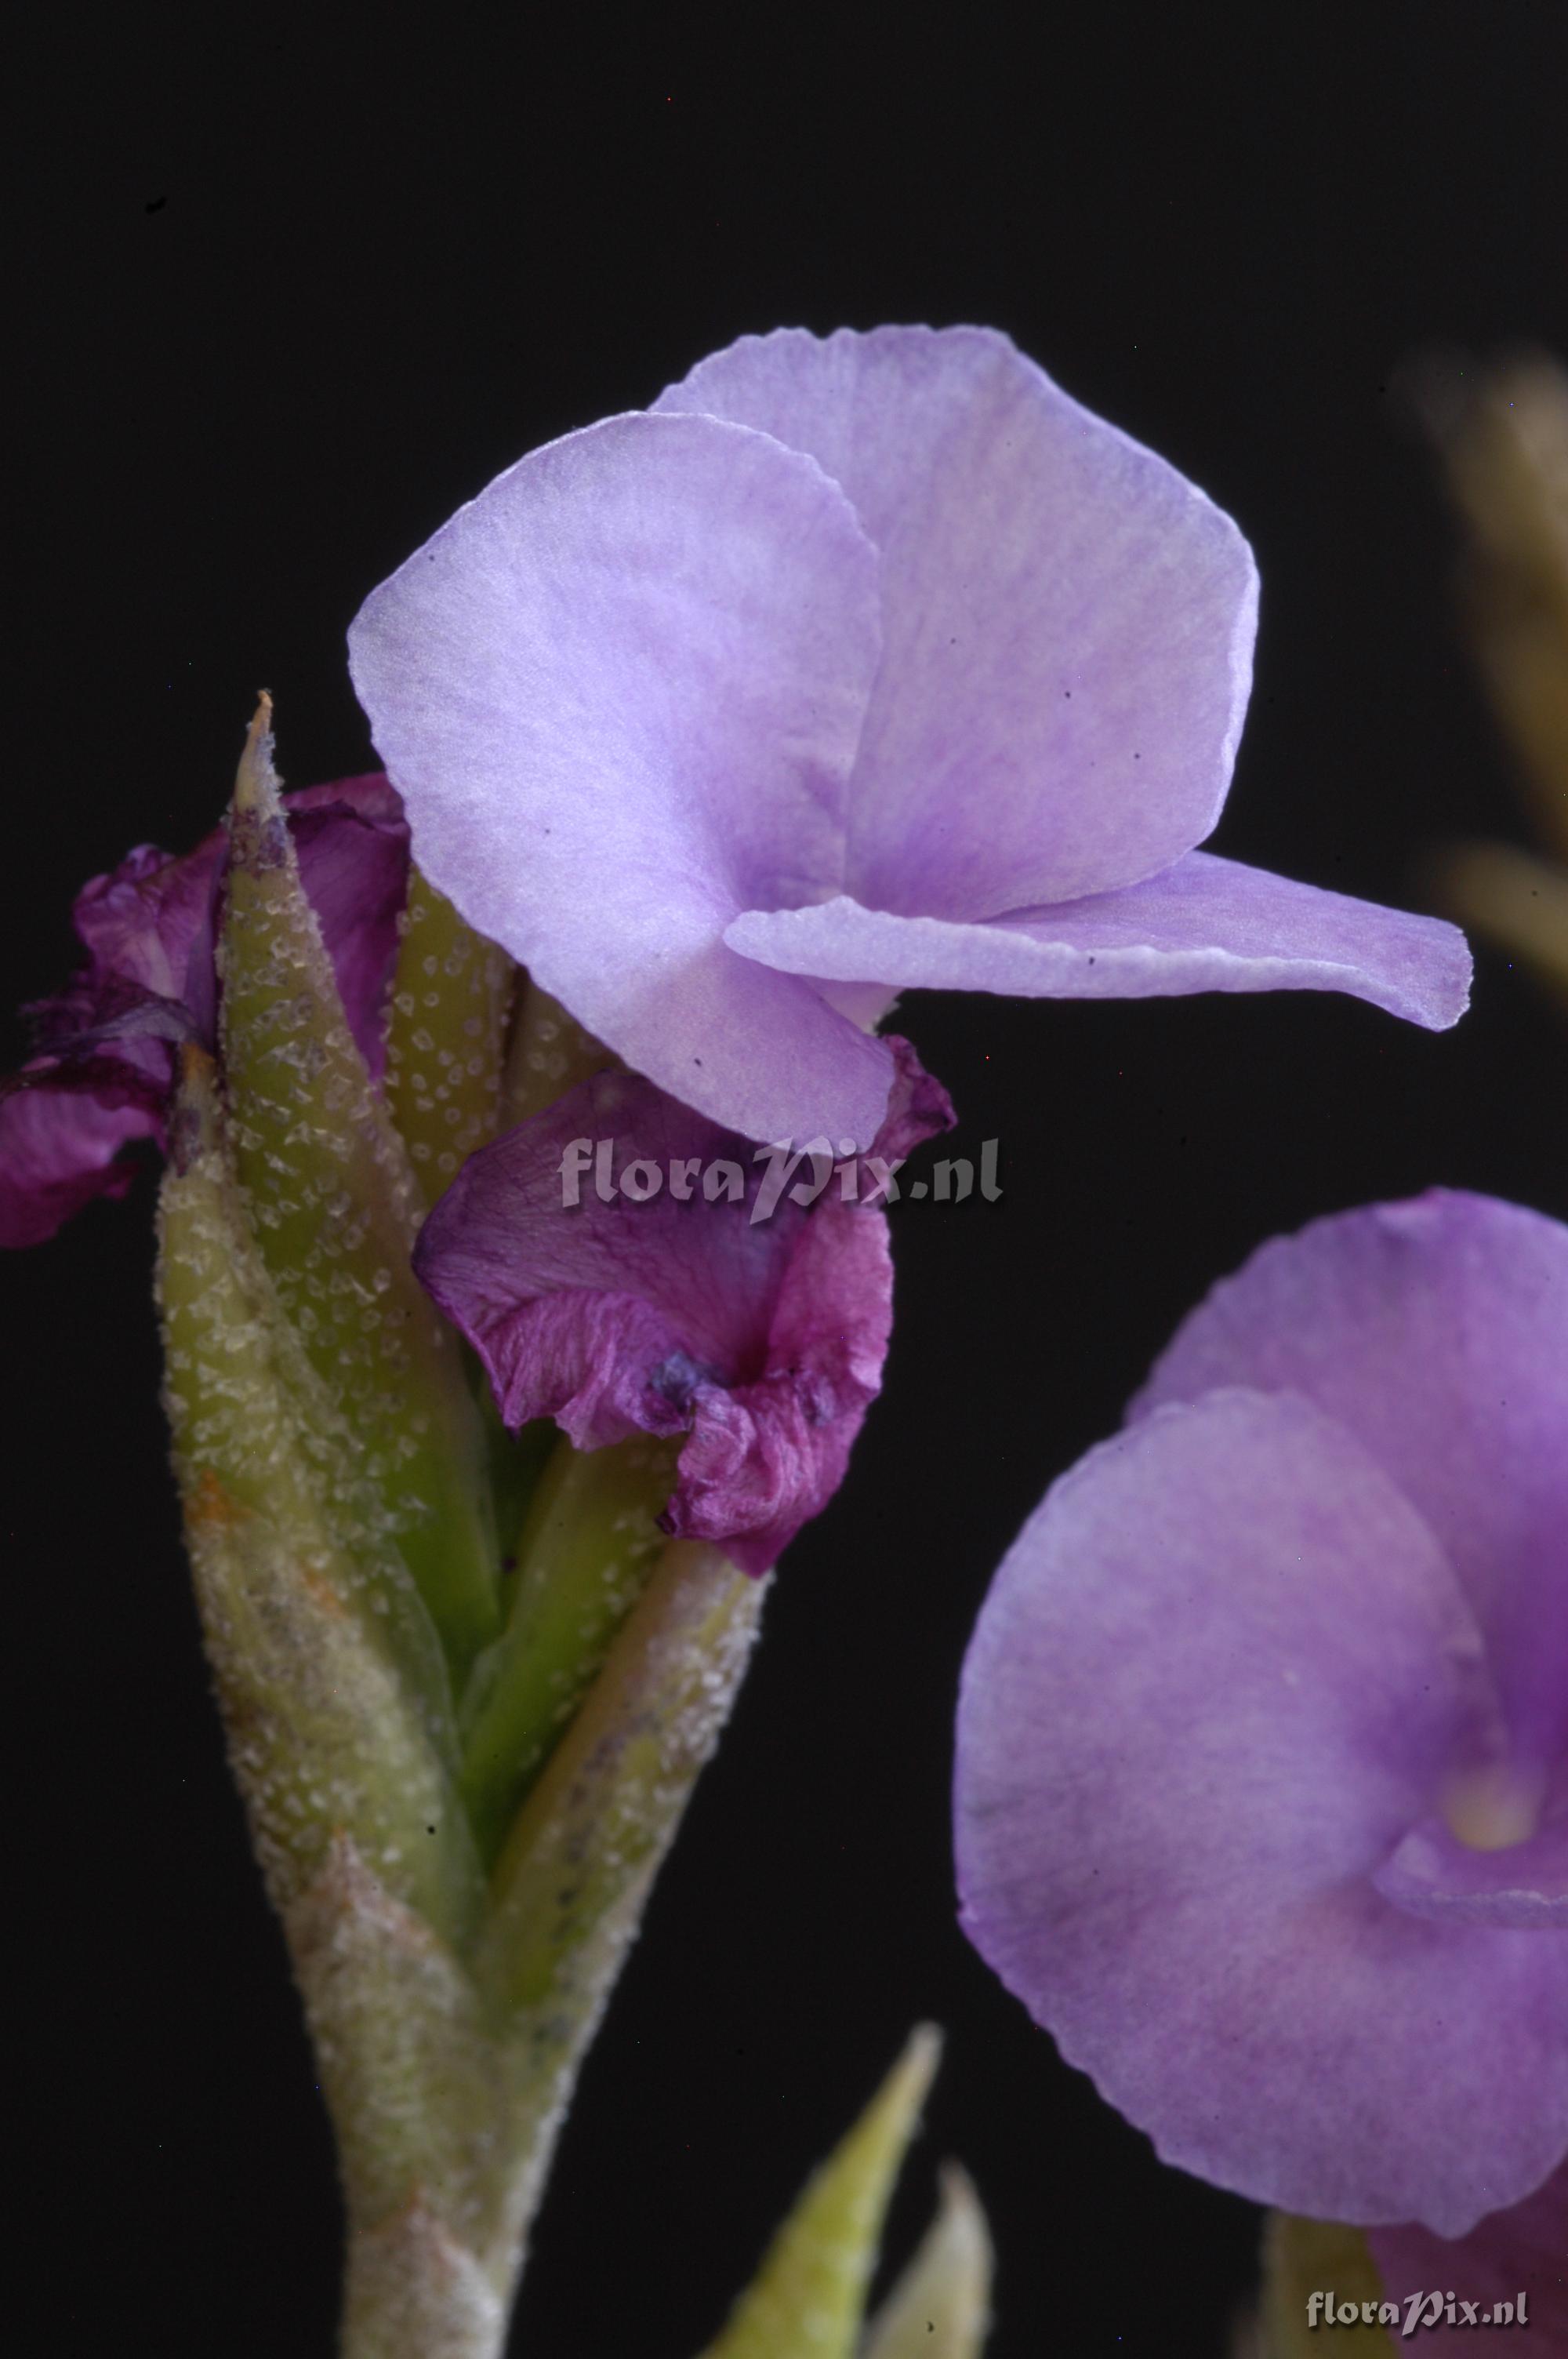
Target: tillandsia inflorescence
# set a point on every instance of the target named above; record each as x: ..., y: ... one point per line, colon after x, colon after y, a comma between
x: 468, y: 1678
x: 853, y: 664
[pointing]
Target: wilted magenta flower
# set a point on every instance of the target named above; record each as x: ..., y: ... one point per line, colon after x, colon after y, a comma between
x: 1263, y: 1766
x: 103, y: 1074
x: 1522, y: 2251
x: 623, y: 1266
x: 854, y: 665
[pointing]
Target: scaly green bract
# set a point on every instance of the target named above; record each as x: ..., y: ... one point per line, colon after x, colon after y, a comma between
x: 331, y: 1199
x: 334, y: 1692
x: 445, y: 1036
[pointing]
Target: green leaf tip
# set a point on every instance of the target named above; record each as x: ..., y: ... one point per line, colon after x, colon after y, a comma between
x: 808, y: 2299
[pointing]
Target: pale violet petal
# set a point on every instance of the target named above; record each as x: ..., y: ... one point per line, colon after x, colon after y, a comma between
x: 1221, y: 1674
x: 1068, y: 622
x: 621, y: 693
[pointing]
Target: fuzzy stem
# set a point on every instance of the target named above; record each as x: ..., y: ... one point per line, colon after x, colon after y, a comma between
x: 413, y: 2292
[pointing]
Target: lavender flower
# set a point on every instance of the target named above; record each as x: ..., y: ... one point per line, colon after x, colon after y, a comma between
x: 104, y: 1073
x: 625, y: 1313
x: 854, y: 665
x: 1263, y: 1766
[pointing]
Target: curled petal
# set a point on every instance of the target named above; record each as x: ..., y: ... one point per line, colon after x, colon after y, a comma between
x: 150, y: 982
x: 1206, y: 924
x: 1067, y: 621
x: 766, y: 1457
x: 59, y: 1147
x: 1221, y: 1673
x: 620, y: 1264
x: 1435, y: 1875
x: 147, y: 929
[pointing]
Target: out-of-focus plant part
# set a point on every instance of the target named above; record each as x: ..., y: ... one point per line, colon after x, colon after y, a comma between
x: 1502, y: 436
x: 807, y: 2300
x: 1301, y: 2257
x: 940, y: 2308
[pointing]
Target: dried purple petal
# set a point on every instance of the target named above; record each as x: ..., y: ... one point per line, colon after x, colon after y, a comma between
x: 622, y: 1264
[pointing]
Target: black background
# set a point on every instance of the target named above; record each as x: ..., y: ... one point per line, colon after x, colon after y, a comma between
x: 282, y: 294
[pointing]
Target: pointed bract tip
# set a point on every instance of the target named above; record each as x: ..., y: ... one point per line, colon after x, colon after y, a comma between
x: 255, y: 782
x: 907, y: 2085
x: 921, y: 2055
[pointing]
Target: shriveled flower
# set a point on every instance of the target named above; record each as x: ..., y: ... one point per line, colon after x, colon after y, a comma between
x: 107, y: 1045
x: 1261, y: 1791
x: 1520, y: 2251
x: 855, y: 664
x: 618, y: 1267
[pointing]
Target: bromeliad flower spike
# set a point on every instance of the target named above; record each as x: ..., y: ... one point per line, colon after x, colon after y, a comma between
x: 854, y: 664
x: 1263, y: 1770
x: 468, y: 1681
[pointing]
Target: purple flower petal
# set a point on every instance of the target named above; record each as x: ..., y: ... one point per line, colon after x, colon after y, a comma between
x: 1067, y: 621
x: 1434, y: 1331
x: 621, y: 692
x: 1206, y: 924
x: 620, y: 1264
x: 59, y: 1147
x: 149, y: 927
x: 1221, y: 1672
x: 353, y: 843
x: 1523, y: 2250
x: 845, y: 633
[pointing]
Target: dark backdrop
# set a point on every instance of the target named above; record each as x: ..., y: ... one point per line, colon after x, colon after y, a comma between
x: 282, y: 295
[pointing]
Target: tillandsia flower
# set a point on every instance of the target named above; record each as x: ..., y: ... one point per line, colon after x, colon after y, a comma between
x: 854, y: 664
x: 106, y: 1059
x: 691, y: 1286
x: 1261, y: 1791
